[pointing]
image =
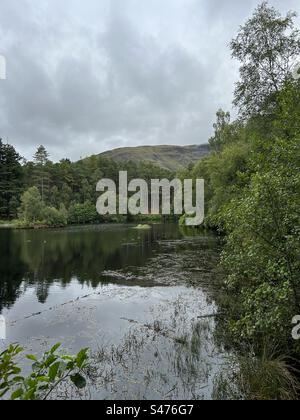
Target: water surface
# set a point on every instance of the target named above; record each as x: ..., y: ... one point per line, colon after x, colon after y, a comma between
x: 138, y: 299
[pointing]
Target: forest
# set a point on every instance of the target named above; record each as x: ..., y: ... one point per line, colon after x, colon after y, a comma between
x: 253, y: 198
x: 43, y: 193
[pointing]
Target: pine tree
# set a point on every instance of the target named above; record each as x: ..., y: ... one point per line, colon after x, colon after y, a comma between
x: 41, y: 176
x: 10, y: 180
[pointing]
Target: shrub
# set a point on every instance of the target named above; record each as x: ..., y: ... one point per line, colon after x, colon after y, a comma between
x: 32, y: 206
x: 54, y: 218
x: 83, y: 213
x: 47, y: 373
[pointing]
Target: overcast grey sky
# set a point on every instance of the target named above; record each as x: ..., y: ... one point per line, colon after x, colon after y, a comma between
x: 87, y: 76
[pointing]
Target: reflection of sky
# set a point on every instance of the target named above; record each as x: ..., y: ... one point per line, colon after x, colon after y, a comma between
x: 83, y: 321
x: 149, y: 282
x: 105, y: 317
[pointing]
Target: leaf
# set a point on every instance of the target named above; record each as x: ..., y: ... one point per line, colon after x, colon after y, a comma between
x: 30, y: 395
x: 36, y: 366
x: 50, y: 360
x: 18, y: 349
x: 17, y: 394
x: 44, y: 379
x: 81, y: 357
x: 53, y: 370
x: 54, y: 348
x: 79, y: 381
x: 31, y: 357
x: 18, y: 379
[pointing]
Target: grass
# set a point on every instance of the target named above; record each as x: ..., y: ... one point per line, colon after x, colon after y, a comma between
x: 263, y: 377
x: 8, y: 224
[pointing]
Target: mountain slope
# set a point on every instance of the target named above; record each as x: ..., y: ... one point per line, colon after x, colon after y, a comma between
x: 173, y: 158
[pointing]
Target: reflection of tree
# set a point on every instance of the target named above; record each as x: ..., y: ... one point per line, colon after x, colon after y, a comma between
x: 42, y: 292
x: 40, y: 258
x: 12, y: 269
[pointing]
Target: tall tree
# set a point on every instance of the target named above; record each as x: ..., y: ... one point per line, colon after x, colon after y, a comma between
x: 41, y: 159
x: 32, y: 207
x: 223, y: 121
x: 10, y: 180
x: 267, y: 46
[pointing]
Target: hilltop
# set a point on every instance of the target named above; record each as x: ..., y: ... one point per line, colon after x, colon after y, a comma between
x: 173, y: 158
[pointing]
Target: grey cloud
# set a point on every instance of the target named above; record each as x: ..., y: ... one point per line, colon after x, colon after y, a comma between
x: 86, y: 77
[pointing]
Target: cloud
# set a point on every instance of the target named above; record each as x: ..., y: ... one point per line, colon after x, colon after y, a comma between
x: 84, y: 77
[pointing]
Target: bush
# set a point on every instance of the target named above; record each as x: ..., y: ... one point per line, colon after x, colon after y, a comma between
x: 262, y: 254
x: 47, y: 373
x: 32, y: 206
x: 54, y: 218
x: 83, y: 213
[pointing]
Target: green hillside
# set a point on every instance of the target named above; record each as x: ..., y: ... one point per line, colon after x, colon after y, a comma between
x: 168, y: 157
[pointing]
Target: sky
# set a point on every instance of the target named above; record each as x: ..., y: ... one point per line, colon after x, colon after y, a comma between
x: 83, y: 77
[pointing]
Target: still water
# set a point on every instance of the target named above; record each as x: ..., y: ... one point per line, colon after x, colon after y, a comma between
x: 142, y: 300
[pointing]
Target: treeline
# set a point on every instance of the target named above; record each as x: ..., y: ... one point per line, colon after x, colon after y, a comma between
x: 54, y: 194
x: 253, y: 197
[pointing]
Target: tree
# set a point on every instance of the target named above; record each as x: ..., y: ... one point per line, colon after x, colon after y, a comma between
x: 267, y: 46
x: 226, y: 132
x: 41, y: 176
x: 55, y: 218
x: 10, y: 180
x: 86, y: 190
x: 66, y: 195
x: 262, y: 254
x: 83, y: 213
x: 41, y: 156
x: 223, y: 121
x: 32, y: 206
x: 54, y: 196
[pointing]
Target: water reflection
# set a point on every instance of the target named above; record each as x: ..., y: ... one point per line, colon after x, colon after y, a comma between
x: 40, y: 258
x: 138, y: 299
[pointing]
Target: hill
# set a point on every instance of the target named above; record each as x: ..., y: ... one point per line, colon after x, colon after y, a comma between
x: 173, y: 158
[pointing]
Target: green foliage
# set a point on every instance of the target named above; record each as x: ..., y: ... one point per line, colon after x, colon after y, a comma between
x: 266, y: 377
x: 46, y: 186
x: 55, y: 218
x: 262, y: 255
x: 226, y: 132
x: 252, y: 183
x: 287, y: 122
x: 40, y: 173
x: 74, y: 186
x: 34, y: 212
x: 32, y: 207
x: 267, y: 46
x: 10, y: 181
x: 83, y: 214
x: 47, y: 373
x: 225, y: 174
